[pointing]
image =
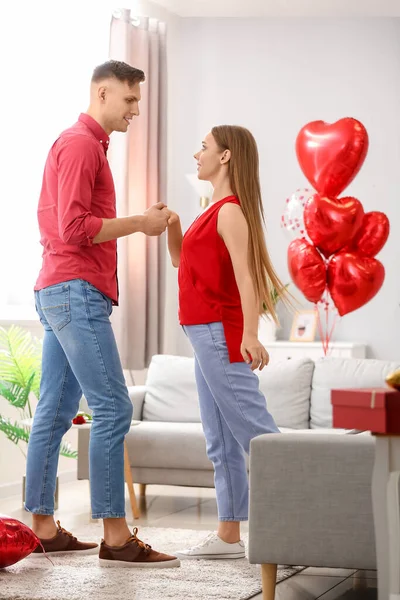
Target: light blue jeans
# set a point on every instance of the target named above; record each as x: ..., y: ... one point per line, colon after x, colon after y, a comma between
x: 233, y: 411
x: 79, y: 355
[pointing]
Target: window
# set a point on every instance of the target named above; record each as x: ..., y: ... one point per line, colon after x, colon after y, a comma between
x: 49, y: 53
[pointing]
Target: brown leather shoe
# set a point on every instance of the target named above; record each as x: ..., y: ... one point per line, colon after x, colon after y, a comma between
x: 64, y: 543
x: 135, y: 553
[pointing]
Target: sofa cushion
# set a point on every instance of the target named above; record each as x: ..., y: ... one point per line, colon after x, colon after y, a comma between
x: 336, y: 373
x: 287, y: 387
x: 168, y: 446
x: 152, y: 444
x: 171, y: 394
x: 171, y: 390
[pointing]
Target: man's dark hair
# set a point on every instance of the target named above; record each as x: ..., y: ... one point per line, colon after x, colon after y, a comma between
x: 119, y: 70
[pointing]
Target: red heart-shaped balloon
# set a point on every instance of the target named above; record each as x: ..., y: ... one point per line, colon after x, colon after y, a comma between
x: 16, y: 541
x: 353, y: 280
x: 373, y: 234
x: 332, y: 224
x: 330, y: 155
x: 307, y: 269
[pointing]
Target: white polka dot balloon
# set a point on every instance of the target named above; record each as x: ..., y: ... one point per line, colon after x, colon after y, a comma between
x: 292, y: 219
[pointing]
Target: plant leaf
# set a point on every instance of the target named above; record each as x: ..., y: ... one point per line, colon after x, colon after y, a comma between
x: 20, y: 357
x: 66, y: 450
x: 15, y: 394
x: 14, y: 431
x: 20, y: 372
x: 7, y: 391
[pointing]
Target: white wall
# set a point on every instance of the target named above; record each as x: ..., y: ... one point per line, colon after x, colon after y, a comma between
x: 273, y: 76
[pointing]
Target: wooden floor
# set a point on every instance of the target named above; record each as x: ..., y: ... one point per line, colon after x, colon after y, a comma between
x: 195, y: 508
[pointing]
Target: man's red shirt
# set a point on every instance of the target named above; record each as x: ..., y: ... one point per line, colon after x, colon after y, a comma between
x: 77, y: 193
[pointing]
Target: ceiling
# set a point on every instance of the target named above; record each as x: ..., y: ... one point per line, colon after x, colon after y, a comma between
x: 282, y: 8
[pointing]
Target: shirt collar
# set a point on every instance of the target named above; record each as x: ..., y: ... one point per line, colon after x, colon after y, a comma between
x: 96, y: 129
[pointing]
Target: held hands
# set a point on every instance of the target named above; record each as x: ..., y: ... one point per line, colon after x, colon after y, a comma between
x: 157, y: 218
x: 254, y: 352
x: 172, y: 216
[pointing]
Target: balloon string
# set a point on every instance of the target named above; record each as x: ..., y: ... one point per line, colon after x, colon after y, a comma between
x: 332, y: 328
x: 327, y: 336
x: 320, y: 330
x: 45, y: 553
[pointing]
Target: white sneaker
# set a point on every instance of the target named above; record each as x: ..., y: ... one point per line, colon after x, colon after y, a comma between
x: 211, y: 548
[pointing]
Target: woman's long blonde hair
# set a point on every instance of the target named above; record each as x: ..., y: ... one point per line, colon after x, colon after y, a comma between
x: 245, y: 184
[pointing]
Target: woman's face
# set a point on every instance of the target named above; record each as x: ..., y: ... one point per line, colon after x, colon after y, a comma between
x: 209, y: 159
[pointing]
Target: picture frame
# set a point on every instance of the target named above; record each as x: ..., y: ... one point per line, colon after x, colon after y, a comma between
x: 304, y: 326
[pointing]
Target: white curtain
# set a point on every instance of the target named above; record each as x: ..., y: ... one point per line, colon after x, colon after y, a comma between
x: 138, y: 161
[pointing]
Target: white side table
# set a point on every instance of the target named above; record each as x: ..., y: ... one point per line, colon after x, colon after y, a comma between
x: 282, y: 350
x: 382, y: 416
x: 386, y: 506
x: 127, y: 466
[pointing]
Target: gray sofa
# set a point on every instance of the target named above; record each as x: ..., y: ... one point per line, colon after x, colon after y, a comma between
x: 168, y: 447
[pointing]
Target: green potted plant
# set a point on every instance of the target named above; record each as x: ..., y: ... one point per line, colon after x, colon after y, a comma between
x: 20, y: 368
x: 267, y: 327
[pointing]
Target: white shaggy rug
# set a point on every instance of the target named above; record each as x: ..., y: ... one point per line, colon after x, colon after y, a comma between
x: 78, y: 578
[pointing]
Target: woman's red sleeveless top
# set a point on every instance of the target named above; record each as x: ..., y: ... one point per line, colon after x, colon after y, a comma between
x: 207, y: 286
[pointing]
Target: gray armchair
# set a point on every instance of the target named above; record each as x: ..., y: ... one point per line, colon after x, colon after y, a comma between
x: 310, y: 502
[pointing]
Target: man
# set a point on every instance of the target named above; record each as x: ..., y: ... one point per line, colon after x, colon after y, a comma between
x: 74, y: 294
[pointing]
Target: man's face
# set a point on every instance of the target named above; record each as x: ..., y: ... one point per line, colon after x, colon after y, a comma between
x: 120, y: 104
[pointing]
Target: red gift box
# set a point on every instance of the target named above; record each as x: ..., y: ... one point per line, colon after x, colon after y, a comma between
x: 367, y: 409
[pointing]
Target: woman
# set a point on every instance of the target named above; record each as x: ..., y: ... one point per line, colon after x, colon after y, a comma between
x: 224, y: 278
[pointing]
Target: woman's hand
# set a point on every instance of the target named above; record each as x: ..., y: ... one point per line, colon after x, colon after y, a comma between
x: 172, y: 216
x: 174, y: 236
x: 254, y: 352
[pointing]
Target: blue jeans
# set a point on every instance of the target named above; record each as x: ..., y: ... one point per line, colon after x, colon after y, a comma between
x: 233, y: 411
x: 79, y: 356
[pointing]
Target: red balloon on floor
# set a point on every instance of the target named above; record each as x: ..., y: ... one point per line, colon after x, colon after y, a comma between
x: 17, y: 541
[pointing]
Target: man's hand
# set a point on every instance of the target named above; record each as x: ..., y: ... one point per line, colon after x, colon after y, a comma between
x: 254, y: 352
x: 172, y: 216
x: 155, y: 220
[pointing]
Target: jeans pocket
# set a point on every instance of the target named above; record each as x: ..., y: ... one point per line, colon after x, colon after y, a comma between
x: 97, y: 296
x: 217, y: 333
x: 55, y: 304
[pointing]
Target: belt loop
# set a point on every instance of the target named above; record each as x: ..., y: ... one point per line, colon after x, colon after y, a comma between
x: 373, y: 397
